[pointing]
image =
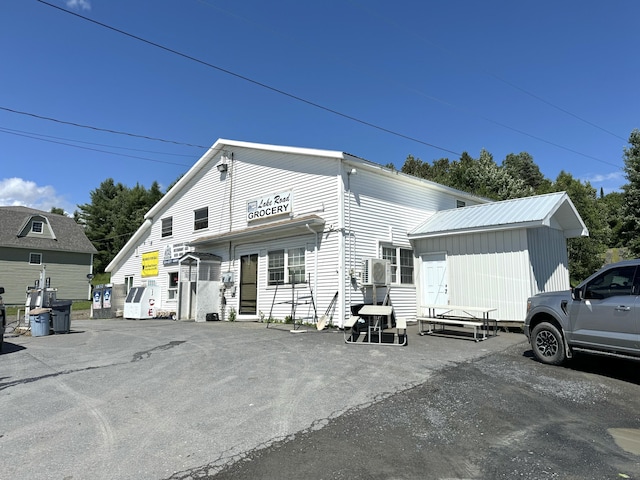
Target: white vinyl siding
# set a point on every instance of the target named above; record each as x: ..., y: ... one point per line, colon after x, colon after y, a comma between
x: 383, y: 207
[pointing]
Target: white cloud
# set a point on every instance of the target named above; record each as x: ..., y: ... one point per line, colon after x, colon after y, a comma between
x: 605, y: 177
x: 79, y: 4
x: 20, y: 192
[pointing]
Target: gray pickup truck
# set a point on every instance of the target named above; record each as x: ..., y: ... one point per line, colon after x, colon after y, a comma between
x: 599, y: 316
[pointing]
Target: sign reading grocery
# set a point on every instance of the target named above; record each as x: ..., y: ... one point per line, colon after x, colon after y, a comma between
x: 270, y: 206
x: 150, y: 264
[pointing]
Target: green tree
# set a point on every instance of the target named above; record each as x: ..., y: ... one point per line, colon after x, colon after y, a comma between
x: 57, y: 211
x: 586, y: 254
x: 416, y: 167
x: 114, y: 214
x: 631, y: 194
x: 612, y: 208
x: 523, y: 167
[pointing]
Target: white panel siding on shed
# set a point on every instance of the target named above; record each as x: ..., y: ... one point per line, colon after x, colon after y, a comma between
x: 486, y: 270
x: 549, y: 260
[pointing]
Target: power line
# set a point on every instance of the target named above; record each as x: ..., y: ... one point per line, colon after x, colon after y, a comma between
x: 491, y: 74
x: 350, y: 65
x: 303, y: 100
x: 11, y: 130
x: 117, y: 132
x: 250, y: 80
x: 33, y: 137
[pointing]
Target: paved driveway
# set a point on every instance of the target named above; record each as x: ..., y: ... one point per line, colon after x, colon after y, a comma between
x: 153, y: 399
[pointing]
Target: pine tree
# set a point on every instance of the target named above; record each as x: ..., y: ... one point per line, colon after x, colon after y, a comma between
x: 631, y: 194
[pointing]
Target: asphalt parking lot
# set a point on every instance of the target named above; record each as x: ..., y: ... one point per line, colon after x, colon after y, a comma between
x: 156, y: 399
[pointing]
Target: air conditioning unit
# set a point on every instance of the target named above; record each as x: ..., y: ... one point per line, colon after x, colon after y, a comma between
x: 376, y: 271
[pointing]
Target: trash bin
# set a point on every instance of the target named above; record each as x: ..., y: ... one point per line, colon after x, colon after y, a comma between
x: 61, y: 316
x: 39, y: 320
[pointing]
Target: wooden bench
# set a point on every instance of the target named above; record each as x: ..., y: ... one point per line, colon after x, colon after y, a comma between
x: 455, y: 315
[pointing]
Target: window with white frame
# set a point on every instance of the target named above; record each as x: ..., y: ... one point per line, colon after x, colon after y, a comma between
x: 201, y: 218
x: 172, y: 292
x: 167, y: 227
x: 128, y: 283
x: 276, y: 267
x: 36, y: 227
x: 286, y: 266
x: 35, y: 259
x: 401, y: 260
x: 295, y: 265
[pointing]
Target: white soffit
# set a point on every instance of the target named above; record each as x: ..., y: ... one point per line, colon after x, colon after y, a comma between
x: 542, y: 210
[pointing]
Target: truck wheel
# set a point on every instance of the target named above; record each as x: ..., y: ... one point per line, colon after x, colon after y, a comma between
x: 547, y: 344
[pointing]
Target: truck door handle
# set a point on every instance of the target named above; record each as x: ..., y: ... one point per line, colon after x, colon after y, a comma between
x: 622, y: 308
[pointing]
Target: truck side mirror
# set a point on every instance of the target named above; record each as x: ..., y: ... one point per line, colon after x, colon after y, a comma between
x: 576, y: 294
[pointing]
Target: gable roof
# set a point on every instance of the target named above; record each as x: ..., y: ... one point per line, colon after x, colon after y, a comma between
x: 68, y: 236
x: 552, y: 210
x: 223, y: 144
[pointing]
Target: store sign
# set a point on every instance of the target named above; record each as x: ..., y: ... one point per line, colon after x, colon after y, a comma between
x: 172, y: 253
x: 270, y: 206
x: 150, y: 264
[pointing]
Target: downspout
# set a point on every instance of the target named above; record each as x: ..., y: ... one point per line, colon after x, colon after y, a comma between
x: 315, y: 269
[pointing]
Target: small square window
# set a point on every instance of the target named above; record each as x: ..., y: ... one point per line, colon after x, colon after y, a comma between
x: 36, y: 227
x: 460, y: 204
x: 35, y: 259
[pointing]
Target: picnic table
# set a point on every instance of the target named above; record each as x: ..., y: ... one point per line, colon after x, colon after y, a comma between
x: 372, y: 320
x: 478, y: 318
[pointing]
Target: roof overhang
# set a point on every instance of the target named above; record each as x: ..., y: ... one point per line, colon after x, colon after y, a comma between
x: 558, y: 213
x: 290, y: 227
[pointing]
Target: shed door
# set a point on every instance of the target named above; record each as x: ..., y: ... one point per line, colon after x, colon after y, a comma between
x: 434, y: 279
x: 249, y: 284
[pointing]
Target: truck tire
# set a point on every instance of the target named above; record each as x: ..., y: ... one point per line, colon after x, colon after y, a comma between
x: 547, y: 344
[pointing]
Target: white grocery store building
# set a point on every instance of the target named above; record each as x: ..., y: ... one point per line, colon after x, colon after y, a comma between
x: 254, y: 231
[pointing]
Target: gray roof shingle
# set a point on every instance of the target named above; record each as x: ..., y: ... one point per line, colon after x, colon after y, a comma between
x: 69, y: 236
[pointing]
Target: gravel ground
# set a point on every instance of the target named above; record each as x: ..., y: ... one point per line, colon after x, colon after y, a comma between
x: 504, y: 416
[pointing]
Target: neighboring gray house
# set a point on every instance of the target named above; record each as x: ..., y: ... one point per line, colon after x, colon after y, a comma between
x: 33, y: 241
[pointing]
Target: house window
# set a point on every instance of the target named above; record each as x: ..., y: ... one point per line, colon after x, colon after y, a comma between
x: 389, y: 253
x: 173, y: 286
x: 406, y: 266
x: 460, y: 204
x: 201, y: 218
x: 35, y: 259
x: 400, y: 272
x: 167, y: 227
x: 36, y: 227
x: 276, y: 267
x: 287, y: 266
x: 296, y: 265
x: 128, y: 283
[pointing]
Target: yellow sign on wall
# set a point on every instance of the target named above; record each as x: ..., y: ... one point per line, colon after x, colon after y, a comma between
x: 150, y: 264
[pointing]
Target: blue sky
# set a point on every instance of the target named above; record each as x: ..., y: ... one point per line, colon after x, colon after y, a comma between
x: 379, y: 79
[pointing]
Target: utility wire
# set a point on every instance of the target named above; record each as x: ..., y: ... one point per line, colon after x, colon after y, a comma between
x: 7, y: 109
x: 255, y: 82
x: 415, y: 91
x: 481, y: 68
x: 92, y: 149
x: 309, y: 102
x: 11, y: 130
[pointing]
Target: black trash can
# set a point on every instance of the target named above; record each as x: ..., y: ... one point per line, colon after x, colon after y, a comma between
x: 61, y: 316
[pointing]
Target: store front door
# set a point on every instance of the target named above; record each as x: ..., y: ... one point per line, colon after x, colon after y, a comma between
x: 249, y: 284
